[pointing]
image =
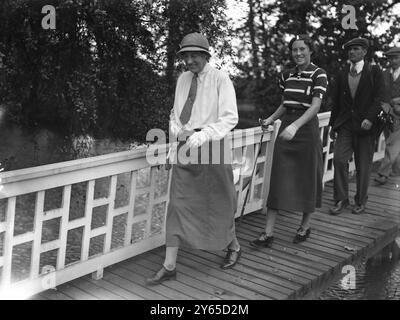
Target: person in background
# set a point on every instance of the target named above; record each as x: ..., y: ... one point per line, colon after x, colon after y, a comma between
x: 357, y: 94
x: 391, y: 77
x: 202, y: 202
x: 296, y: 173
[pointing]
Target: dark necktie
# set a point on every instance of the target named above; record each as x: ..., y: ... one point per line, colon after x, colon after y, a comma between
x: 353, y: 71
x: 187, y: 108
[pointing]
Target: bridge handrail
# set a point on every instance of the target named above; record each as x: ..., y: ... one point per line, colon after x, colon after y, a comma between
x: 131, y: 194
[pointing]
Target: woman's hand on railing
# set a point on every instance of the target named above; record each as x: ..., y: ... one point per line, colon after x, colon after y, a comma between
x: 266, y: 124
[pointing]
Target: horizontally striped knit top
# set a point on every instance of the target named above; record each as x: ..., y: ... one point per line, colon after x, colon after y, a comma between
x: 299, y: 87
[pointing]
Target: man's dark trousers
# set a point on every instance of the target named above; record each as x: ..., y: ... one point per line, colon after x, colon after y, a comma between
x: 348, y: 113
x: 363, y: 147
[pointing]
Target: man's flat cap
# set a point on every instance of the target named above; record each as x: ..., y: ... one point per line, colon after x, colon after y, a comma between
x: 393, y: 51
x: 356, y: 42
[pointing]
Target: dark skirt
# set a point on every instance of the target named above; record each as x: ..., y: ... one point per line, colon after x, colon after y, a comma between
x: 202, y: 206
x: 297, y: 168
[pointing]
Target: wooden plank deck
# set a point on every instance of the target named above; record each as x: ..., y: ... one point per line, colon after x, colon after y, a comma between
x: 285, y: 271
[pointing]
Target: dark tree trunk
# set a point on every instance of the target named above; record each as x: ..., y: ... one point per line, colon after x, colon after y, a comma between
x: 264, y: 37
x: 254, y: 46
x: 173, y: 30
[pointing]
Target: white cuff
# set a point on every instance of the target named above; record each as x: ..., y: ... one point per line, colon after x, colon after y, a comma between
x: 175, y: 129
x: 292, y: 129
x: 197, y: 139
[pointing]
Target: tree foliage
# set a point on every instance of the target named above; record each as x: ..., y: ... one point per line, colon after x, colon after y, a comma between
x: 270, y: 24
x: 102, y: 70
x: 109, y: 67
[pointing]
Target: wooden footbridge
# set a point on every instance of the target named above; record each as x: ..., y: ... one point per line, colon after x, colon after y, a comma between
x: 94, y: 229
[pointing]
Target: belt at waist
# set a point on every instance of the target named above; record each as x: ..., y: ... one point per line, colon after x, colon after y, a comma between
x: 295, y: 110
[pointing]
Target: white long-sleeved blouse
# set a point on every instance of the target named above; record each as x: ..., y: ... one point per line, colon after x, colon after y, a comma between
x: 214, y: 109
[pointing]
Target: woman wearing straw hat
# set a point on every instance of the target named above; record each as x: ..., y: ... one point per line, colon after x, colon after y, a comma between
x: 202, y: 202
x: 296, y: 174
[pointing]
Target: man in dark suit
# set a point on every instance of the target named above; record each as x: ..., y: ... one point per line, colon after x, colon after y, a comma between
x: 357, y: 93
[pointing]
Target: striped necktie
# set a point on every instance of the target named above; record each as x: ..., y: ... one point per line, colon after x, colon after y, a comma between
x: 187, y: 108
x: 353, y: 71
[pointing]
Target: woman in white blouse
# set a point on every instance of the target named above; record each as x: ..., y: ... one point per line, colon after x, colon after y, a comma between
x: 202, y: 196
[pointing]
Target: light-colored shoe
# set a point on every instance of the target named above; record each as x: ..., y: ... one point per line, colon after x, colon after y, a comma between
x: 161, y: 276
x: 232, y: 257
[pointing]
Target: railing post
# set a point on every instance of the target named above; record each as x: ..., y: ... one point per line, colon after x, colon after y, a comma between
x: 131, y: 208
x: 327, y: 151
x: 88, y: 219
x: 8, y: 241
x: 64, y: 227
x: 38, y: 224
x: 98, y: 274
x: 66, y: 174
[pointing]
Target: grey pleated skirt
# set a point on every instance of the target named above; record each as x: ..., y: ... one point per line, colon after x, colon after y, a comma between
x: 202, y: 206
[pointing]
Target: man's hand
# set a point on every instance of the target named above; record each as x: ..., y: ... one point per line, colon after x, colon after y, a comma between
x: 289, y: 132
x: 333, y: 134
x: 395, y: 101
x: 386, y: 107
x: 396, y: 109
x: 184, y: 134
x: 366, y: 124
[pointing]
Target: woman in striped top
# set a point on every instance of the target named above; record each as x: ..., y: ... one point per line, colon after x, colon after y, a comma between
x: 296, y: 175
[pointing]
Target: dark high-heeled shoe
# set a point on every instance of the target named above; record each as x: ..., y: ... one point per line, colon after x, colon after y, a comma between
x: 301, y: 235
x: 263, y: 241
x: 161, y: 276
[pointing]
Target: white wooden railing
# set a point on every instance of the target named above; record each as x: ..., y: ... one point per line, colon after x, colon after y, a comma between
x: 61, y: 221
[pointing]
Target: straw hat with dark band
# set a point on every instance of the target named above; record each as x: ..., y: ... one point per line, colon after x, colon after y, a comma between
x: 194, y: 42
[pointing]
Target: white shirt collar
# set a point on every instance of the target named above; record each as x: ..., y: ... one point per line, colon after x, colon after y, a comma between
x: 395, y: 73
x: 358, y: 65
x: 203, y: 72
